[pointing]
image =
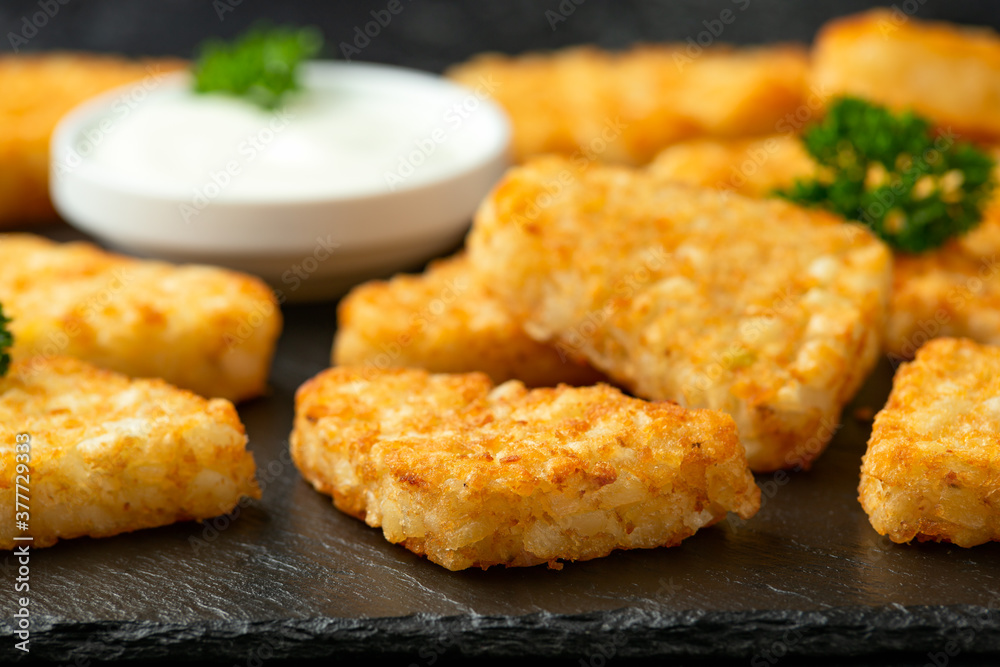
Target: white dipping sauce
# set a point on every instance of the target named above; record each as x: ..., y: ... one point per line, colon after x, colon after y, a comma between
x: 354, y: 137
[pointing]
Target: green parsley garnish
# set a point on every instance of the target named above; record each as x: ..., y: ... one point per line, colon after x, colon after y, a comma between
x: 261, y: 65
x: 915, y: 189
x: 6, y: 342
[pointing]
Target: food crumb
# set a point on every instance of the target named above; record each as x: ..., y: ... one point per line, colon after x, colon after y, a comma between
x: 865, y: 413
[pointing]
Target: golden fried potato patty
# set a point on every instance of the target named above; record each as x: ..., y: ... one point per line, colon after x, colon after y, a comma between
x: 949, y: 73
x: 198, y: 327
x: 947, y: 292
x: 37, y: 91
x: 770, y: 312
x: 110, y: 455
x: 951, y: 291
x: 932, y: 469
x: 624, y: 107
x: 751, y: 167
x: 445, y: 321
x: 473, y: 475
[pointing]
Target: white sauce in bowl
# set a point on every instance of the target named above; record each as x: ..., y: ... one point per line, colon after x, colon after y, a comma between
x: 355, y: 134
x: 376, y: 168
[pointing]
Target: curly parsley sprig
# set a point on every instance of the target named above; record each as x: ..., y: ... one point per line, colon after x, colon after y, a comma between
x: 6, y: 342
x: 261, y: 66
x: 915, y: 189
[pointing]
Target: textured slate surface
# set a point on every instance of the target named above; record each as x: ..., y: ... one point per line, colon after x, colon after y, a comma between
x: 292, y: 577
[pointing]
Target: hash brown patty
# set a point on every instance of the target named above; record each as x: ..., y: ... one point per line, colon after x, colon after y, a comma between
x: 201, y: 328
x: 110, y: 455
x: 949, y: 291
x: 948, y: 73
x: 624, y: 107
x: 932, y: 469
x: 38, y: 89
x: 472, y: 475
x: 765, y: 310
x: 445, y: 321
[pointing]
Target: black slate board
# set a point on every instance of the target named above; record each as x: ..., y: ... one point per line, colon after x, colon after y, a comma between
x: 291, y: 577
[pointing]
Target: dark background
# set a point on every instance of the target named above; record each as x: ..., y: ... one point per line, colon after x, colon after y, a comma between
x: 431, y: 34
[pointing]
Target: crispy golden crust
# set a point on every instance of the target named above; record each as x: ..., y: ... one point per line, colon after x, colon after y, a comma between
x: 767, y: 311
x: 932, y: 470
x: 111, y: 455
x: 445, y: 321
x: 948, y: 292
x: 201, y: 328
x: 37, y: 91
x: 624, y: 107
x: 755, y: 167
x: 948, y: 73
x: 984, y: 240
x: 750, y: 167
x: 473, y: 476
x: 953, y: 291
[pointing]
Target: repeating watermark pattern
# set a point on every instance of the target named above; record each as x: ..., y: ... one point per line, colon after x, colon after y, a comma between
x: 951, y: 649
x: 666, y: 589
x: 260, y: 653
x: 430, y: 654
x: 899, y: 14
x: 293, y: 278
x: 31, y: 24
x: 695, y: 46
x: 424, y: 147
x: 758, y: 154
x: 876, y: 552
x: 768, y: 490
x: 605, y: 650
x: 246, y: 152
x: 810, y: 449
x: 920, y: 166
x: 576, y: 339
x: 121, y: 108
x: 562, y: 12
x: 777, y: 649
x: 961, y: 639
x: 362, y: 36
x: 793, y: 122
x: 59, y: 339
x: 611, y: 130
x: 805, y: 451
x: 958, y: 300
x: 612, y: 646
x: 223, y: 7
x: 299, y: 272
x: 81, y: 651
x: 22, y: 523
x: 211, y: 529
x: 452, y: 291
x: 261, y: 312
x: 738, y: 354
